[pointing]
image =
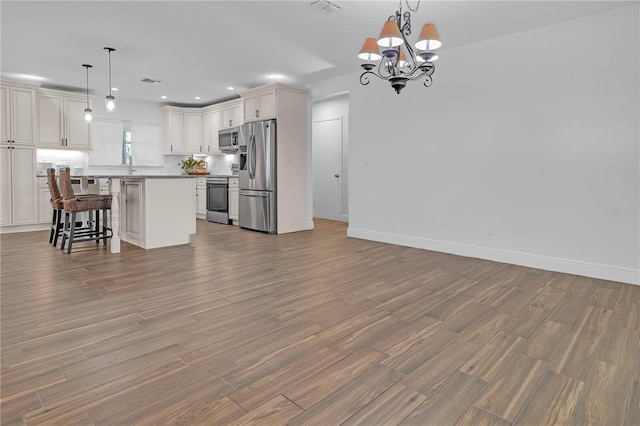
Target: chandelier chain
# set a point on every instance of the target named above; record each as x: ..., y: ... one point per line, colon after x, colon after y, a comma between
x: 409, y: 6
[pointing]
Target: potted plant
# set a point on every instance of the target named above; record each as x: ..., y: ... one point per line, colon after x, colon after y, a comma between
x: 189, y: 165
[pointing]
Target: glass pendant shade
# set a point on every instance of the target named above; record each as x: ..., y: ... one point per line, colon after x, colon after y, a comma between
x: 429, y: 39
x: 390, y: 35
x: 370, y: 51
x: 87, y: 115
x: 110, y: 103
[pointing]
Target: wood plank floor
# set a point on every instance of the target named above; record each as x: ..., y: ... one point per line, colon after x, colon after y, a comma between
x: 242, y: 328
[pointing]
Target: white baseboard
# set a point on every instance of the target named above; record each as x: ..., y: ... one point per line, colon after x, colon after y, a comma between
x: 24, y: 228
x: 594, y: 270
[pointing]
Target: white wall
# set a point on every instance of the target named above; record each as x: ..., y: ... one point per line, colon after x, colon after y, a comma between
x: 536, y: 133
x: 128, y: 110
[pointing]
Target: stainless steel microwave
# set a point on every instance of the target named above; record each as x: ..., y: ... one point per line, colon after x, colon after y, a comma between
x: 228, y: 139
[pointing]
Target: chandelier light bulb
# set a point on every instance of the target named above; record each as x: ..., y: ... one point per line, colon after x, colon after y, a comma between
x: 370, y: 51
x: 429, y: 39
x: 87, y: 115
x: 390, y: 35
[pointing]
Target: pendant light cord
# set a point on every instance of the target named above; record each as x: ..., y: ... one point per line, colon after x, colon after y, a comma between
x: 109, y: 72
x: 109, y: 49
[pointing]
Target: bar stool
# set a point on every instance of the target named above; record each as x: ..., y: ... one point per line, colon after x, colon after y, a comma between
x: 58, y: 207
x: 73, y: 204
x: 57, y: 224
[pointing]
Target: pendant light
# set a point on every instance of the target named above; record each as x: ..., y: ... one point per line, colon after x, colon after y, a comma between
x: 87, y: 110
x: 110, y: 101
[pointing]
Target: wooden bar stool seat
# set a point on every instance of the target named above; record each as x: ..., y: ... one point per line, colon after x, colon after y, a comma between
x: 91, y: 203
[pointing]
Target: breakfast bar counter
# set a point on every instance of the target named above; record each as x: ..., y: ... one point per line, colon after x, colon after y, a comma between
x: 150, y: 211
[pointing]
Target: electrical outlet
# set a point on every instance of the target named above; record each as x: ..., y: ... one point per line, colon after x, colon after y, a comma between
x: 489, y: 228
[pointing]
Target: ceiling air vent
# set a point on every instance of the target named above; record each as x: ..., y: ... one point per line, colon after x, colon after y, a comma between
x: 150, y: 81
x: 326, y: 5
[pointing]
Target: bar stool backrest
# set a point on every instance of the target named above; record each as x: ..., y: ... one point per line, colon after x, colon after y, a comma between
x: 65, y: 184
x: 56, y: 198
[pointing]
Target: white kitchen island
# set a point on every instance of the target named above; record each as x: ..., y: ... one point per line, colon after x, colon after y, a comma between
x: 150, y: 211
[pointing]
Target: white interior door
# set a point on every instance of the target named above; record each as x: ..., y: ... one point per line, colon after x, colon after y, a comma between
x: 327, y: 169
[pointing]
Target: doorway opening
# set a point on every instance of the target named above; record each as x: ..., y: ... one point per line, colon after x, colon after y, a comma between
x: 330, y: 142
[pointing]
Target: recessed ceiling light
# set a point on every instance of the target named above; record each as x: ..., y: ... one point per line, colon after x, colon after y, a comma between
x: 230, y: 88
x: 274, y: 75
x: 163, y: 97
x: 115, y: 89
x: 196, y: 97
x: 32, y: 77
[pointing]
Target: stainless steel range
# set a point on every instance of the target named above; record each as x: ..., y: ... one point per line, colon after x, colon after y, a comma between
x: 218, y: 199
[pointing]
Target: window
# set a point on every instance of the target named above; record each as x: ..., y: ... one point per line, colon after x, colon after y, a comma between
x: 126, y: 147
x: 117, y: 143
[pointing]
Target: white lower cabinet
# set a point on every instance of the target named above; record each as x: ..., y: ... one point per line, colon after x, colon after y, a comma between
x: 156, y: 211
x: 234, y: 199
x: 132, y: 221
x: 18, y: 203
x: 44, y: 201
x: 201, y: 198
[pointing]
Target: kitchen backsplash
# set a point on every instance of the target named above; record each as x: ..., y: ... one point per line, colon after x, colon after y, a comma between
x: 219, y: 164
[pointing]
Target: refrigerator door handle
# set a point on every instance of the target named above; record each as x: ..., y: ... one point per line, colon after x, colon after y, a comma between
x: 252, y: 163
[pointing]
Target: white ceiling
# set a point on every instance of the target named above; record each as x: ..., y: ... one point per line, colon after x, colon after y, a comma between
x: 199, y: 48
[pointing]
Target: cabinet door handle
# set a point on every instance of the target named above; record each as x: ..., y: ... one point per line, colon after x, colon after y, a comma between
x: 208, y: 148
x: 230, y: 123
x: 257, y: 113
x: 171, y: 148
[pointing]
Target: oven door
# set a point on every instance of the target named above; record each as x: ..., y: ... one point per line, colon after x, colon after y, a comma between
x: 218, y: 202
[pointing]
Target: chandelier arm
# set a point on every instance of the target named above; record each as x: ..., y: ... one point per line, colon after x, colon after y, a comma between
x: 364, y: 78
x: 382, y: 65
x: 426, y: 70
x: 405, y: 30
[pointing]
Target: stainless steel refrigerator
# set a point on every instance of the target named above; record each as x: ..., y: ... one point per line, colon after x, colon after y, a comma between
x: 257, y: 176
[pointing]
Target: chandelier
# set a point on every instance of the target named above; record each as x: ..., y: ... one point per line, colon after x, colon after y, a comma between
x: 394, y: 65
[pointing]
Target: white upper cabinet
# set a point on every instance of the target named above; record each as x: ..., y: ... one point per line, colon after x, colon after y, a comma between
x: 231, y: 114
x: 18, y: 115
x: 61, y: 122
x: 211, y: 125
x: 77, y: 130
x: 173, y: 131
x: 193, y: 132
x: 260, y: 105
x: 185, y: 130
